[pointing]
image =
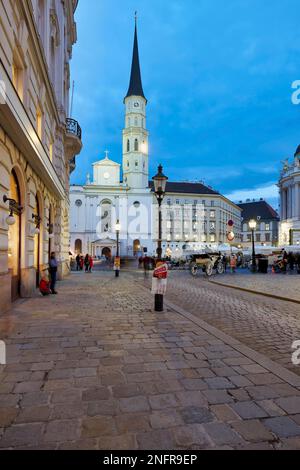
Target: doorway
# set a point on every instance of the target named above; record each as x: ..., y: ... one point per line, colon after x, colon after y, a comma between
x: 14, y: 241
x: 37, y: 243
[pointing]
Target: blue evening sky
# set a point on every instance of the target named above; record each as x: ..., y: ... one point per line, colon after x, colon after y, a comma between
x: 217, y: 74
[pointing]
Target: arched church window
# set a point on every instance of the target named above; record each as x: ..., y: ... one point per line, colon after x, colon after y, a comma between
x: 127, y: 164
x: 106, y: 216
x: 135, y: 122
x: 136, y: 163
x: 128, y: 145
x: 136, y: 145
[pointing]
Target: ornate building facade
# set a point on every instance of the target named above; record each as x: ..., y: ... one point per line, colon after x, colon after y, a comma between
x: 289, y: 186
x: 38, y: 141
x: 267, y: 223
x: 194, y: 215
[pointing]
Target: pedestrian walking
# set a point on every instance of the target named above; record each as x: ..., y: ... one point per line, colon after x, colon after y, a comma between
x: 233, y: 262
x: 91, y: 265
x: 87, y: 263
x: 81, y: 263
x: 53, y: 265
x: 78, y: 262
x: 224, y: 261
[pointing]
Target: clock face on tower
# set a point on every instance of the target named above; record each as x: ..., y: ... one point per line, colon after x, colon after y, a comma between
x: 136, y: 104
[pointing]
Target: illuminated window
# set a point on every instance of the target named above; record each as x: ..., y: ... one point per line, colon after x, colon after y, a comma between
x: 39, y: 123
x: 51, y: 151
x: 17, y: 79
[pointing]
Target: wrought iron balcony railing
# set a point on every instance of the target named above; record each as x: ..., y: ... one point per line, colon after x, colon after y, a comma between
x: 73, y: 127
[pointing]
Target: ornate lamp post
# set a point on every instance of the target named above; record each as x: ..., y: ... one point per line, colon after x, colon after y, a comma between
x: 117, y: 265
x: 160, y: 183
x: 252, y: 225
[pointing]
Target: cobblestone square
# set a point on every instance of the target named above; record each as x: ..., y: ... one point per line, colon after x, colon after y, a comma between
x: 110, y: 373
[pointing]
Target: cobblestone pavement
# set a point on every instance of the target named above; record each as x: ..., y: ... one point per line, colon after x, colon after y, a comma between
x: 95, y: 368
x: 267, y: 325
x: 282, y: 285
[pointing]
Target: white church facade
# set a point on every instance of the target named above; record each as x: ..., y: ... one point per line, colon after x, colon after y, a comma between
x: 194, y: 215
x: 289, y: 186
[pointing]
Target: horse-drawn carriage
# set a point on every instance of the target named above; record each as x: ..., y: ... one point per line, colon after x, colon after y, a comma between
x: 207, y: 263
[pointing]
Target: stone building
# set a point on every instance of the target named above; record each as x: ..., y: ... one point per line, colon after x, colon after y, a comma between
x: 194, y: 215
x: 267, y: 223
x: 38, y: 141
x: 289, y: 186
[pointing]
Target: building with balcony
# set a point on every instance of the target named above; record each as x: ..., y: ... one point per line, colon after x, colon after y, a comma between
x: 38, y: 141
x: 267, y: 223
x: 195, y: 216
x: 289, y: 187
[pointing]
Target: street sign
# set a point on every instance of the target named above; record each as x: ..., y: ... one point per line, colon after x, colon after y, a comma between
x: 230, y: 236
x: 117, y: 263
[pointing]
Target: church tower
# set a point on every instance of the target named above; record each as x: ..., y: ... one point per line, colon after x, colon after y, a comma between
x: 135, y: 135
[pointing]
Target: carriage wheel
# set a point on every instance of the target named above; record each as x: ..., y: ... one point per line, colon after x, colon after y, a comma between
x: 194, y: 270
x: 220, y: 268
x: 209, y: 270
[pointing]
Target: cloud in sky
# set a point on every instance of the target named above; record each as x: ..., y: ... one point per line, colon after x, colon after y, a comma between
x: 268, y: 192
x: 217, y: 76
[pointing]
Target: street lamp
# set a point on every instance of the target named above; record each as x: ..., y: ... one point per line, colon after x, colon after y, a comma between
x: 14, y: 208
x: 160, y: 183
x: 252, y: 225
x: 117, y: 261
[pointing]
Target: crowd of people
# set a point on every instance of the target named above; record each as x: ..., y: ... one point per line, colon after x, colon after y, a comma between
x: 84, y: 263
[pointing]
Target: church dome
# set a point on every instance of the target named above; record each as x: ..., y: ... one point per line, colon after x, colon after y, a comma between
x: 297, y: 151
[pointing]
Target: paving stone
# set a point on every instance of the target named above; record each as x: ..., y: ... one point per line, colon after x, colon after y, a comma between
x: 134, y: 404
x: 248, y: 410
x: 290, y: 405
x: 22, y: 435
x: 262, y: 392
x: 68, y: 411
x: 35, y: 399
x: 131, y: 423
x: 224, y: 413
x: 195, y: 415
x: 66, y: 396
x: 263, y: 379
x: 123, y: 442
x: 165, y: 419
x: 283, y: 426
x: 25, y: 387
x: 36, y: 414
x: 160, y: 402
x: 219, y: 383
x: 80, y: 444
x: 215, y: 397
x: 103, y: 408
x: 192, y: 435
x: 169, y: 386
x: 271, y: 408
x: 96, y: 394
x: 239, y: 381
x: 7, y: 416
x: 126, y: 390
x: 156, y: 440
x: 62, y: 430
x: 98, y: 426
x: 252, y: 430
x: 222, y: 434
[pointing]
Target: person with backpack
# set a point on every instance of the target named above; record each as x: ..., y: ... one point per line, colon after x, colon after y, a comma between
x: 53, y: 265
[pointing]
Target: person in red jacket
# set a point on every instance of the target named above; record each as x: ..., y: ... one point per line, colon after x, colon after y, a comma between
x: 91, y: 264
x: 45, y: 286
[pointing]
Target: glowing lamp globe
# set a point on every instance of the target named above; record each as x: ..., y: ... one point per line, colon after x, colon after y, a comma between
x: 231, y: 236
x: 10, y: 220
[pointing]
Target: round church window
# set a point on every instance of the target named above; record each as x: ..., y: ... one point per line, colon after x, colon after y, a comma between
x: 78, y: 203
x: 136, y: 204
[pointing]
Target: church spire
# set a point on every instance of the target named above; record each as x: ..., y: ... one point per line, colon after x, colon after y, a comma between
x: 135, y: 85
